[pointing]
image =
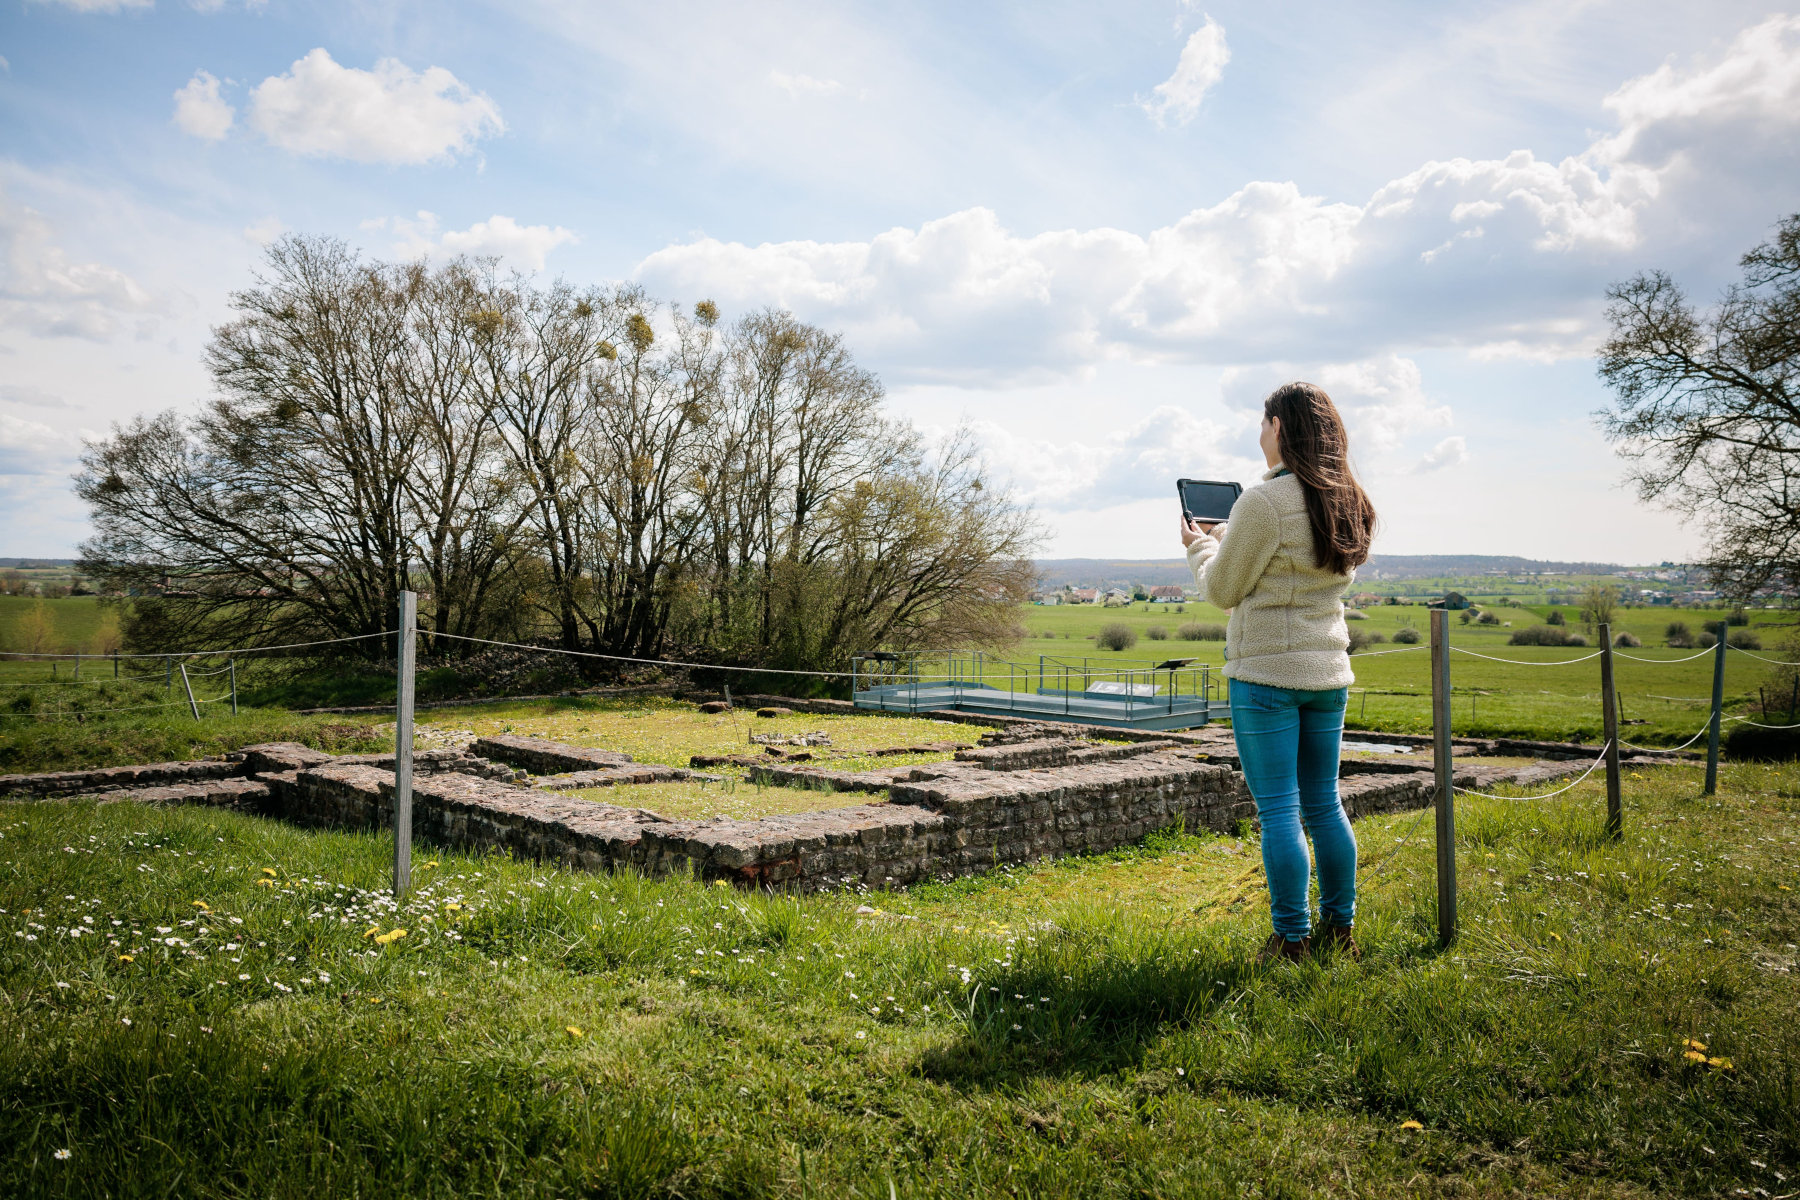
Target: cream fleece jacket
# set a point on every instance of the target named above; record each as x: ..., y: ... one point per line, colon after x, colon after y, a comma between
x: 1287, y: 616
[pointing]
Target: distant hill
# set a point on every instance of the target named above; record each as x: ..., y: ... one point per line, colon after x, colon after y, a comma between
x: 34, y: 564
x: 1111, y: 572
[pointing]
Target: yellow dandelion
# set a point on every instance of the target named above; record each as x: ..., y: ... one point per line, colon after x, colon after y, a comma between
x: 1724, y: 1064
x: 574, y: 1031
x: 1411, y: 1125
x: 389, y: 937
x: 1692, y: 1044
x: 126, y: 958
x: 265, y: 883
x: 269, y: 871
x: 203, y: 906
x: 1784, y: 887
x: 371, y: 931
x: 454, y: 907
x: 693, y: 972
x: 721, y: 883
x: 1557, y: 936
x: 1693, y: 1056
x: 374, y: 999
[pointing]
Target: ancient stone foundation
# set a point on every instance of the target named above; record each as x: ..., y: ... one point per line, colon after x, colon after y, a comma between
x: 1029, y: 792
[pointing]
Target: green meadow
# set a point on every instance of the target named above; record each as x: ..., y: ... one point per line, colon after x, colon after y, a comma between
x: 1546, y: 692
x: 200, y: 1003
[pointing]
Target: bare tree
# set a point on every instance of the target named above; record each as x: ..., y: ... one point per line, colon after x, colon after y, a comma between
x: 345, y: 445
x: 1707, y: 412
x: 541, y: 459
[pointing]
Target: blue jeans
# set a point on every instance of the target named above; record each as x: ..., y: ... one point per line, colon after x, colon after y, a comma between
x: 1287, y: 741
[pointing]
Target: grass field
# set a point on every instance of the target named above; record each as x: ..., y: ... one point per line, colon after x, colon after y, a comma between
x: 1393, y: 691
x: 195, y: 1002
x: 102, y: 723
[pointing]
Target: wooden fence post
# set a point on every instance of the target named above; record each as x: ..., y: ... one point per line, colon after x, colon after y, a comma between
x: 1446, y: 798
x: 1718, y: 703
x: 403, y: 746
x: 1609, y: 723
x: 231, y: 665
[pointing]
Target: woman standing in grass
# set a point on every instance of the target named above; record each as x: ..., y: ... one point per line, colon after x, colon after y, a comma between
x: 1292, y: 546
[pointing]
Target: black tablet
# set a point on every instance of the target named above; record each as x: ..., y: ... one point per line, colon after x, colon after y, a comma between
x: 1207, y: 500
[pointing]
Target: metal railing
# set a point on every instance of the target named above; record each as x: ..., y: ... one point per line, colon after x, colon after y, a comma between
x: 950, y: 678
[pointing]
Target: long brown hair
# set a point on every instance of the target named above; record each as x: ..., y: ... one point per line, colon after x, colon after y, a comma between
x: 1315, y: 447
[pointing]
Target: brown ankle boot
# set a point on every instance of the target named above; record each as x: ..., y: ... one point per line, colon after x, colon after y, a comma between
x: 1278, y: 947
x: 1338, y: 939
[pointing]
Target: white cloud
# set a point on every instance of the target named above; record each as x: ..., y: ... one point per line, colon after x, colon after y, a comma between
x: 523, y: 246
x: 1451, y: 452
x: 5, y: 65
x: 1138, y: 462
x: 1381, y: 399
x: 1201, y: 66
x: 803, y: 85
x: 200, y: 110
x: 42, y: 292
x: 1500, y: 257
x: 33, y: 397
x: 97, y: 6
x: 266, y: 230
x: 392, y: 114
x: 30, y: 448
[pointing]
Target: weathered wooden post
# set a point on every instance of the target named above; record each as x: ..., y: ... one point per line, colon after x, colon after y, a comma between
x: 188, y: 687
x: 1609, y: 724
x: 1446, y: 797
x: 231, y: 666
x: 1718, y: 703
x: 403, y: 746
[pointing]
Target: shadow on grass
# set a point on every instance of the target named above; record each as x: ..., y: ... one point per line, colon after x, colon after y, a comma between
x: 1099, y: 996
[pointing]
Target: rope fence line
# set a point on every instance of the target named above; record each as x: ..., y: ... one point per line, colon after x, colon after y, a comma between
x: 1594, y: 766
x: 653, y: 662
x: 82, y: 712
x: 1525, y: 662
x: 1659, y: 661
x: 1763, y: 657
x: 185, y: 654
x: 1683, y: 746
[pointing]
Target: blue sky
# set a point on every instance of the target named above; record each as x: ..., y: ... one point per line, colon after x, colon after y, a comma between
x: 1097, y: 233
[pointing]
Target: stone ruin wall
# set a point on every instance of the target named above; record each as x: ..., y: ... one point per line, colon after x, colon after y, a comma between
x: 1036, y: 792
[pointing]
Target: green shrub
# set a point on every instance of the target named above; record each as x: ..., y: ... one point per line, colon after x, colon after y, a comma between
x: 1490, y: 617
x: 1406, y: 637
x: 1627, y: 640
x: 1678, y: 636
x: 1157, y: 633
x: 1542, y: 635
x: 1744, y: 639
x: 1576, y: 639
x: 1744, y: 741
x: 1200, y: 631
x: 1737, y: 616
x: 1116, y: 637
x: 1358, y: 639
x: 1352, y: 614
x: 1555, y: 618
